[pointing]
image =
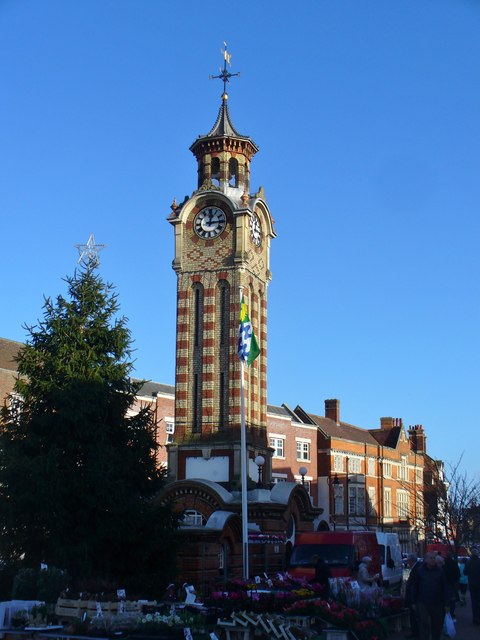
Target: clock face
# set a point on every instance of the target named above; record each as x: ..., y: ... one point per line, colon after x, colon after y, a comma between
x: 255, y: 230
x: 209, y: 222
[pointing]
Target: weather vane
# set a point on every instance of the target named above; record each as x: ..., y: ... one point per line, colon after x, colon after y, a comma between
x: 89, y: 252
x: 224, y: 74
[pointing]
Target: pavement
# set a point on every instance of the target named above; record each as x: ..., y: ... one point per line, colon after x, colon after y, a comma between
x: 466, y: 630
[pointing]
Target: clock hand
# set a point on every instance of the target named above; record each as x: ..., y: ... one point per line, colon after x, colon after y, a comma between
x: 208, y: 223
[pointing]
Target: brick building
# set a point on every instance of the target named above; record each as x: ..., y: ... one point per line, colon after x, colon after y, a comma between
x: 363, y: 478
x: 380, y: 479
x: 376, y: 479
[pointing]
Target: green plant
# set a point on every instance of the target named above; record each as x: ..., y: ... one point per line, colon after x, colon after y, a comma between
x: 25, y: 585
x: 8, y: 571
x: 38, y: 615
x: 78, y: 627
x: 39, y: 584
x: 20, y: 618
x: 50, y: 583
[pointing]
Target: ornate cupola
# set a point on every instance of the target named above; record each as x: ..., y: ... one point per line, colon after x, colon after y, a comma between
x: 223, y: 155
x: 222, y: 245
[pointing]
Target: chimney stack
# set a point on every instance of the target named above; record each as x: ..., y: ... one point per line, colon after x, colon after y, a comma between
x: 418, y: 439
x: 332, y: 410
x: 389, y: 423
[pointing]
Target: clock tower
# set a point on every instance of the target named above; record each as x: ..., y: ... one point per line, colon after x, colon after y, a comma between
x: 222, y: 245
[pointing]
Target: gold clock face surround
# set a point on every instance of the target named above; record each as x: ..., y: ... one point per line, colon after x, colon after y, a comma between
x: 209, y: 222
x: 255, y: 230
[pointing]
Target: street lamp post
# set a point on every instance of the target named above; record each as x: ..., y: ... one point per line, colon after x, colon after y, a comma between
x: 348, y: 495
x: 303, y: 472
x: 260, y: 461
x: 381, y: 502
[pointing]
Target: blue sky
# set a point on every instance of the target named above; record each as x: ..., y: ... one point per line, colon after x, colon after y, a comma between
x: 367, y: 118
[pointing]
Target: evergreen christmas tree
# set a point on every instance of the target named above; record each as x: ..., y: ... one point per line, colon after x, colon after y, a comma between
x: 78, y: 470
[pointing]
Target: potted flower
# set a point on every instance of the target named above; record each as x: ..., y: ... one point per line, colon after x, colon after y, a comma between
x: 19, y: 618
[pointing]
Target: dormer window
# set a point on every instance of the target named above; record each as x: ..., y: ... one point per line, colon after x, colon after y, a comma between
x: 216, y: 171
x: 233, y: 172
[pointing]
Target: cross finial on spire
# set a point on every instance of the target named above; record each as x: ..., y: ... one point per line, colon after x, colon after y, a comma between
x: 224, y: 74
x: 89, y: 252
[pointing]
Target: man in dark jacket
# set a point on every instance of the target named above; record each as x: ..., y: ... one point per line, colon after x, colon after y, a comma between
x: 414, y: 565
x: 430, y: 597
x: 472, y: 570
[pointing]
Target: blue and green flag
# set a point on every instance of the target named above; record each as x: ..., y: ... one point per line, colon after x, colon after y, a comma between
x: 248, y: 348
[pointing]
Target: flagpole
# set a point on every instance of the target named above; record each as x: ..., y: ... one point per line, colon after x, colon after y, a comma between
x: 243, y: 462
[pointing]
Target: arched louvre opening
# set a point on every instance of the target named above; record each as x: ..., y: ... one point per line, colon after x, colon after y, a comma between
x: 233, y: 172
x: 216, y: 171
x: 201, y: 173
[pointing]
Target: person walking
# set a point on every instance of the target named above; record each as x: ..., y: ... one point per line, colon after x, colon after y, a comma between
x: 413, y: 564
x: 472, y: 571
x: 452, y: 574
x: 430, y: 598
x: 463, y: 582
x: 364, y: 578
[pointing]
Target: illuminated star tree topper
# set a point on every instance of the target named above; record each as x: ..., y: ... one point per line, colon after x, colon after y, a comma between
x: 89, y: 253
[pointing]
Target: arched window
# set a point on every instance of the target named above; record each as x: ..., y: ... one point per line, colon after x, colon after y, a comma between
x: 223, y: 352
x: 193, y: 518
x: 216, y: 171
x: 233, y: 172
x: 198, y: 314
x: 197, y: 358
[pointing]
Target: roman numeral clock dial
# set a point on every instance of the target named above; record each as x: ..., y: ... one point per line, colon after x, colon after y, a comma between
x: 209, y: 222
x: 255, y: 230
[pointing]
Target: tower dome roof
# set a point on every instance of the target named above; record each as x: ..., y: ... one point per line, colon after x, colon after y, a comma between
x: 223, y: 135
x: 223, y: 125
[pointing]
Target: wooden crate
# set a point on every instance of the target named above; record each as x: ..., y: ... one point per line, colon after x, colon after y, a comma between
x: 66, y: 609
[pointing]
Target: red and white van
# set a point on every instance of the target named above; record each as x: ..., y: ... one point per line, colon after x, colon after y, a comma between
x: 342, y: 552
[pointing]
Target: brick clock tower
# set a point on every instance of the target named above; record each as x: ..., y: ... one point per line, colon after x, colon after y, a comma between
x: 222, y: 243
